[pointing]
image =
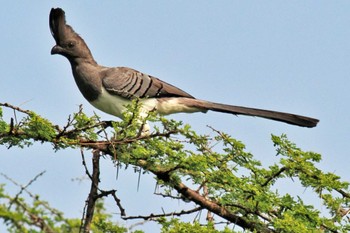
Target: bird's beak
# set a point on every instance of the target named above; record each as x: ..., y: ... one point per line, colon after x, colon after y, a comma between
x: 56, y: 50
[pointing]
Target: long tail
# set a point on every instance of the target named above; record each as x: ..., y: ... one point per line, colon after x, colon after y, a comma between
x: 238, y: 110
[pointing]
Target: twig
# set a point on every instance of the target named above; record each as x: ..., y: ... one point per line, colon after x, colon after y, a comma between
x: 36, y: 219
x: 136, y: 224
x: 343, y: 193
x: 116, y: 199
x: 84, y: 164
x: 167, y: 195
x: 279, y: 172
x: 15, y: 108
x: 23, y: 188
x: 154, y: 216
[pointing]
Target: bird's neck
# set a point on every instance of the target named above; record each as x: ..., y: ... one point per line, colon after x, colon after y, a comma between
x: 76, y: 61
x: 87, y: 76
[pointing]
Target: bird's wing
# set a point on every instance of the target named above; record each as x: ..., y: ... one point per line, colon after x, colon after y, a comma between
x: 130, y: 83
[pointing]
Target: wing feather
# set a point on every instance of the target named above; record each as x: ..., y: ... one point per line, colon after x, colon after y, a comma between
x: 130, y: 83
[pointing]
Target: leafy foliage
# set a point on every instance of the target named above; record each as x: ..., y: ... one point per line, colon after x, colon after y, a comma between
x: 22, y: 217
x: 215, y: 173
x: 175, y: 226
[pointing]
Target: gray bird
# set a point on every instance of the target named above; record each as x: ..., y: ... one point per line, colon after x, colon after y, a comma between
x: 111, y: 89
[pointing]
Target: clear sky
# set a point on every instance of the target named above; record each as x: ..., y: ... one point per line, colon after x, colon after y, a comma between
x: 289, y: 56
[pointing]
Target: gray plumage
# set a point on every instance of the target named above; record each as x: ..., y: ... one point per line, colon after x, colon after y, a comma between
x: 130, y: 83
x: 109, y: 89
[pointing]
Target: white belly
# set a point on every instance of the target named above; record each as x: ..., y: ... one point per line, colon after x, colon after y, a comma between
x: 115, y: 105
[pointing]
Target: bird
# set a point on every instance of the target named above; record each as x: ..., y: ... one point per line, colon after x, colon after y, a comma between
x: 111, y: 89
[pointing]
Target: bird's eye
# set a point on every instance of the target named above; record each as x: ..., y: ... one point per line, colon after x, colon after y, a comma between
x: 70, y: 44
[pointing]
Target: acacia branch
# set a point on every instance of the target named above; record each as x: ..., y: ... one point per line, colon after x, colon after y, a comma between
x: 88, y: 212
x: 188, y: 193
x: 35, y: 218
x: 15, y: 108
x: 279, y: 172
x: 84, y: 164
x: 154, y: 216
x: 93, y: 195
x: 343, y: 193
x: 117, y: 201
x: 163, y: 173
x: 23, y: 188
x: 219, y: 209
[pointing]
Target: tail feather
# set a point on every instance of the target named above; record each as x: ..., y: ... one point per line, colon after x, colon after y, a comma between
x: 238, y: 110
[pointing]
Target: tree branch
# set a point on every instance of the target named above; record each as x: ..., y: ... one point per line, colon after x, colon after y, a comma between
x: 79, y: 133
x: 35, y: 218
x: 93, y: 195
x: 23, y: 188
x: 274, y: 176
x: 189, y: 193
x: 219, y: 209
x: 15, y: 108
x: 154, y: 216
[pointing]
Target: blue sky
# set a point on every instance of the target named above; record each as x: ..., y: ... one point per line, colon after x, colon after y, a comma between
x: 288, y: 56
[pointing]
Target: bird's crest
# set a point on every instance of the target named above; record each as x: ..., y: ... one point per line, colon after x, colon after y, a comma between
x: 58, y: 27
x: 64, y: 34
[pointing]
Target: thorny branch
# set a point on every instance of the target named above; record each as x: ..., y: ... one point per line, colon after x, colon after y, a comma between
x: 154, y: 216
x: 116, y: 199
x: 186, y: 192
x: 191, y: 194
x: 93, y: 195
x: 95, y: 192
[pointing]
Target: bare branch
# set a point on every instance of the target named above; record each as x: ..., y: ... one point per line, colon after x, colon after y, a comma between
x: 154, y: 216
x: 36, y: 220
x: 15, y: 108
x: 116, y: 199
x: 23, y: 188
x: 93, y: 195
x: 84, y: 164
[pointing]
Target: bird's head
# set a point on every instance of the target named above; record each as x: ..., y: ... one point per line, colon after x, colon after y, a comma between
x: 68, y: 42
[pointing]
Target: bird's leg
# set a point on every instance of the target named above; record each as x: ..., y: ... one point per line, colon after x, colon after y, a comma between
x: 145, y: 129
